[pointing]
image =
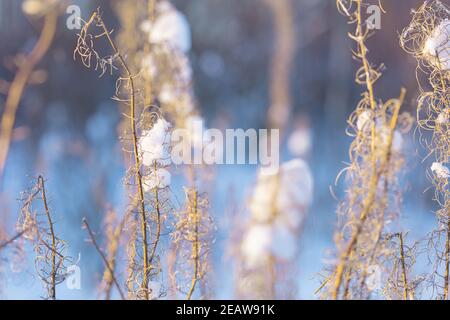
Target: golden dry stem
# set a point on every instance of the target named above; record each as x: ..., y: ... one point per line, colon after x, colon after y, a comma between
x: 367, y: 204
x: 191, y: 244
x: 17, y: 87
x: 195, y: 244
x: 373, y: 169
x: 52, y: 294
x: 402, y: 260
x: 85, y: 50
x: 38, y: 228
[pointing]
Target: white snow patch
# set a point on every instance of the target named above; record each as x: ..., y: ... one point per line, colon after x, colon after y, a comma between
x: 440, y: 170
x: 170, y: 27
x: 155, y: 144
x: 438, y: 44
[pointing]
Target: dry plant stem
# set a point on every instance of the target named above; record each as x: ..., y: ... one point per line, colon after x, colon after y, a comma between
x: 348, y: 278
x: 377, y: 243
x: 367, y: 205
x: 20, y: 81
x: 102, y: 255
x: 138, y: 175
x: 131, y: 250
x: 10, y: 241
x: 41, y: 184
x: 447, y: 260
x: 158, y: 222
x: 379, y: 234
x: 323, y: 284
x: 281, y: 62
x: 414, y: 39
x: 5, y: 85
x: 195, y: 246
x: 273, y: 276
x: 402, y: 261
x: 447, y: 241
x: 148, y: 51
x: 360, y: 38
x: 151, y: 9
x: 113, y: 247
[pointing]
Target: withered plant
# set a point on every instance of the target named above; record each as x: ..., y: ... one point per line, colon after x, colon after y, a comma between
x: 37, y: 227
x: 427, y: 38
x: 167, y: 82
x: 192, y: 238
x: 152, y: 204
x: 401, y: 283
x: 372, y: 196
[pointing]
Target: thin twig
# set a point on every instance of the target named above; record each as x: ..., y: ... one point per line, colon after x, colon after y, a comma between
x: 402, y: 262
x: 41, y: 185
x: 113, y: 247
x: 447, y: 260
x: 102, y: 255
x: 11, y: 240
x: 195, y: 245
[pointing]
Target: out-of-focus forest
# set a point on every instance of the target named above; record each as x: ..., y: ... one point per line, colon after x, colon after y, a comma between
x: 67, y: 129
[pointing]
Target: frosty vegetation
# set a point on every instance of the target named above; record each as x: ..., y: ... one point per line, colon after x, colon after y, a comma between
x: 162, y: 245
